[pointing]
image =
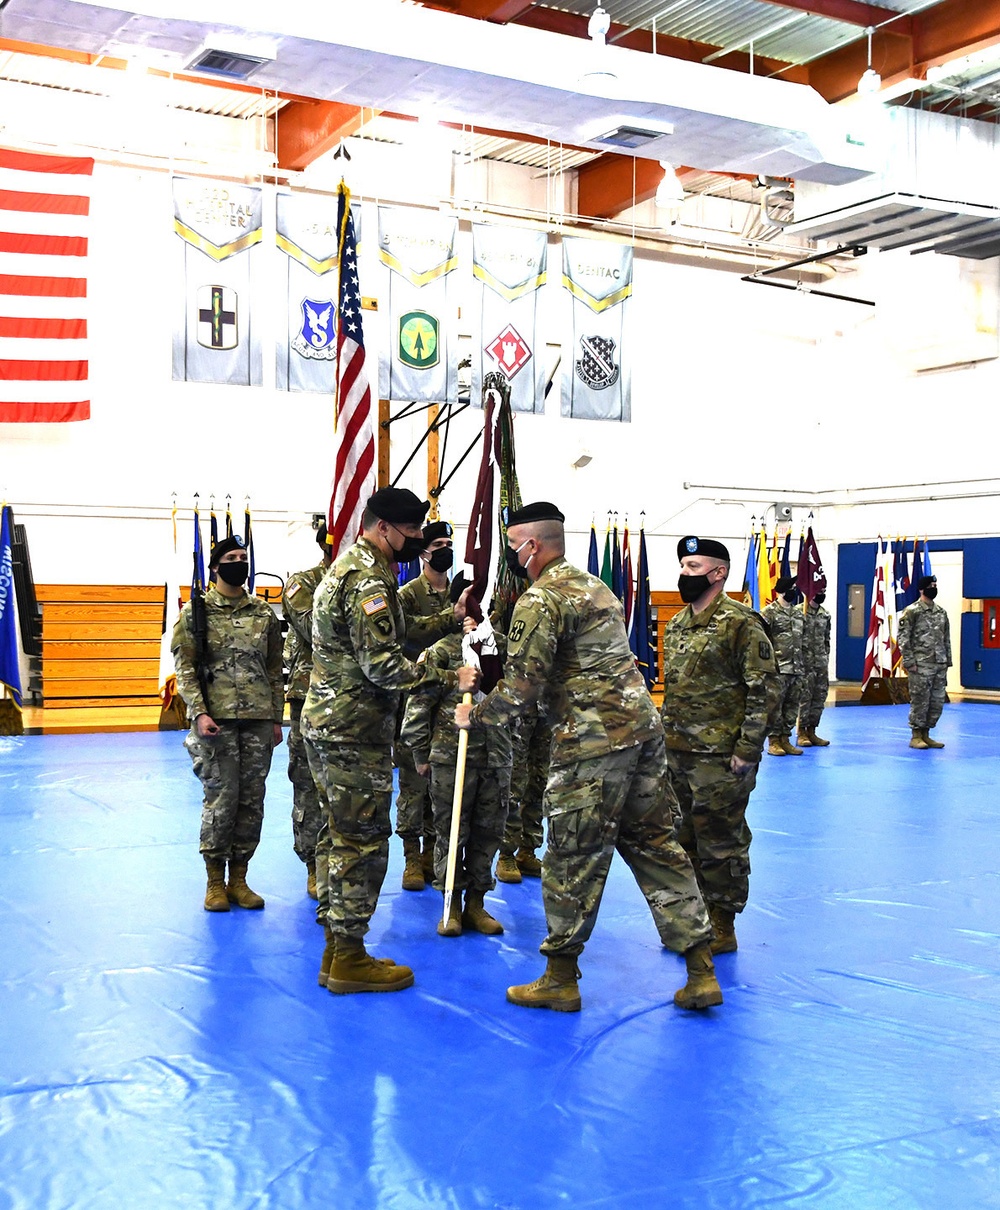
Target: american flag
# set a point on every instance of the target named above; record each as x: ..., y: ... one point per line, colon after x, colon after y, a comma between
x: 44, y: 215
x: 354, y: 466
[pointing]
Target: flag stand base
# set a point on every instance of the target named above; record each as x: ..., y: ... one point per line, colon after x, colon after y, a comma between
x: 886, y: 691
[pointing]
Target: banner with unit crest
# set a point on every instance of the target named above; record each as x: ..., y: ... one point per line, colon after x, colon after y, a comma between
x: 216, y: 338
x: 597, y: 382
x: 306, y: 231
x: 419, y: 361
x: 510, y: 264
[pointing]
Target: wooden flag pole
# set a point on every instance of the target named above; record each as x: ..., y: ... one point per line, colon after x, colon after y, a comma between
x: 456, y: 816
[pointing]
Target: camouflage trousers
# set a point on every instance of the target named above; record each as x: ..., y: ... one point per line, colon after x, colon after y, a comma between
x: 812, y: 697
x: 527, y: 788
x: 355, y: 786
x: 621, y: 801
x: 484, y: 810
x: 785, y: 710
x: 306, y: 813
x: 713, y: 827
x: 927, y: 694
x: 232, y: 768
x: 414, y: 815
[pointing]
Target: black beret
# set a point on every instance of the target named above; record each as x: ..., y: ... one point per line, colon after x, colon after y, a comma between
x: 224, y: 547
x: 321, y: 534
x: 458, y: 585
x: 398, y: 505
x: 701, y: 546
x: 529, y: 513
x: 926, y: 582
x: 784, y: 584
x: 435, y: 530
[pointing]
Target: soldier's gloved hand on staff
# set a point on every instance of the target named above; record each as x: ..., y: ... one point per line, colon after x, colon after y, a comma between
x: 206, y: 726
x: 468, y: 678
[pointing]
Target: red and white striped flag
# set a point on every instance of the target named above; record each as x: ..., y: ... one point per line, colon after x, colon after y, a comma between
x: 354, y: 464
x: 44, y: 216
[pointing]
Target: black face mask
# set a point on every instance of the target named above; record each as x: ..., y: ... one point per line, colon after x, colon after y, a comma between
x: 789, y: 597
x: 441, y: 559
x: 411, y: 548
x: 692, y: 587
x: 819, y: 598
x: 930, y: 593
x: 234, y: 573
x: 510, y: 554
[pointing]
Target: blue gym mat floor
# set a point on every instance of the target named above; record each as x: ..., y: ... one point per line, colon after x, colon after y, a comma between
x: 156, y: 1055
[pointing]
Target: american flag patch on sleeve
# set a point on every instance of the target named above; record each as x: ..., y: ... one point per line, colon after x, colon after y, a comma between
x: 373, y: 604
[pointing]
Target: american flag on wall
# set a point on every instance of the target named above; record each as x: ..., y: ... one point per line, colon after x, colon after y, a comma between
x: 354, y: 462
x: 44, y: 216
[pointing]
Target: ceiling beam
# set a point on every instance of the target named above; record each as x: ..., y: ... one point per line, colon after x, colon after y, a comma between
x: 851, y: 12
x: 305, y: 130
x: 610, y: 184
x: 497, y: 11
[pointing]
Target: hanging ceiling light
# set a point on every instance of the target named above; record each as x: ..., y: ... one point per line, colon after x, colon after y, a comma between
x: 670, y: 192
x: 598, y: 75
x: 870, y: 81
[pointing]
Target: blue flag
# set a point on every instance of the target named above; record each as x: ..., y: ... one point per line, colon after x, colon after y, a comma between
x: 10, y: 672
x: 593, y: 562
x: 927, y: 559
x: 617, y: 583
x: 642, y: 639
x: 248, y: 543
x: 751, y: 584
x: 198, y: 568
x: 918, y: 572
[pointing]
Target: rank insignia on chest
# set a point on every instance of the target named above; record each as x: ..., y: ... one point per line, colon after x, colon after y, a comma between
x: 373, y: 604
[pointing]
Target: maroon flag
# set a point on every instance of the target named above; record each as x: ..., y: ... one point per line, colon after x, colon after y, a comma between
x: 810, y: 577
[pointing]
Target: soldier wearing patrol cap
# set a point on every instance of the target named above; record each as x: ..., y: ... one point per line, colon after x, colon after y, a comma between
x: 607, y: 788
x: 235, y: 699
x: 424, y: 597
x: 924, y: 637
x: 348, y: 722
x: 719, y: 674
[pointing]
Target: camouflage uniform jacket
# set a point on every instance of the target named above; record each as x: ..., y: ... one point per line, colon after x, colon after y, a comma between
x: 359, y: 668
x: 243, y: 668
x: 786, y: 624
x: 816, y: 638
x: 429, y: 729
x: 718, y: 677
x: 568, y: 651
x: 429, y: 615
x: 297, y: 605
x: 924, y: 637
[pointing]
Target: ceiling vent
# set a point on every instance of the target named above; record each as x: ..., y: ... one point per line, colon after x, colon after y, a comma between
x: 631, y: 137
x: 231, y: 65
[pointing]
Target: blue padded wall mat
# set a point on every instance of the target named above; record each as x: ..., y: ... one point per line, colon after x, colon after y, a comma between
x: 156, y: 1055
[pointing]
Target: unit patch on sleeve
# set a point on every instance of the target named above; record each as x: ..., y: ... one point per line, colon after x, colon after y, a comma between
x: 517, y: 631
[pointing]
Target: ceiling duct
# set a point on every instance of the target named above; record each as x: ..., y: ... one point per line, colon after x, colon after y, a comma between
x: 230, y: 65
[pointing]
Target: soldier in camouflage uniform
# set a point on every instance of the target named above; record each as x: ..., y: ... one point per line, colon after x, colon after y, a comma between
x: 568, y: 653
x: 348, y: 721
x: 924, y: 637
x: 424, y: 597
x: 429, y: 732
x: 785, y: 625
x: 235, y: 720
x: 297, y: 606
x: 815, y: 672
x: 718, y: 676
x: 522, y: 834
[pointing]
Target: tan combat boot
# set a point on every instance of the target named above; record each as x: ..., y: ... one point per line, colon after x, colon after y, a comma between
x: 528, y: 863
x: 789, y: 747
x: 507, y: 870
x: 477, y: 918
x: 215, y: 892
x: 237, y: 890
x: 917, y: 738
x: 775, y: 746
x: 702, y: 988
x: 427, y: 859
x: 413, y: 870
x: 723, y: 931
x: 816, y: 740
x: 802, y: 739
x: 326, y: 961
x: 928, y: 742
x: 453, y: 926
x: 311, y: 879
x: 353, y: 969
x: 556, y: 989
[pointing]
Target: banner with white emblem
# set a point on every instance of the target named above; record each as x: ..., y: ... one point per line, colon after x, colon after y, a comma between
x: 510, y: 264
x: 216, y: 339
x: 419, y: 361
x: 597, y: 380
x: 306, y: 231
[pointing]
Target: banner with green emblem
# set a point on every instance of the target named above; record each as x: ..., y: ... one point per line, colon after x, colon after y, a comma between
x: 216, y: 336
x: 509, y: 265
x: 597, y: 379
x: 419, y: 362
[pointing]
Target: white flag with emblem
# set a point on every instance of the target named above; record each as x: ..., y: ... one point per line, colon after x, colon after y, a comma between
x: 597, y: 378
x: 509, y: 265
